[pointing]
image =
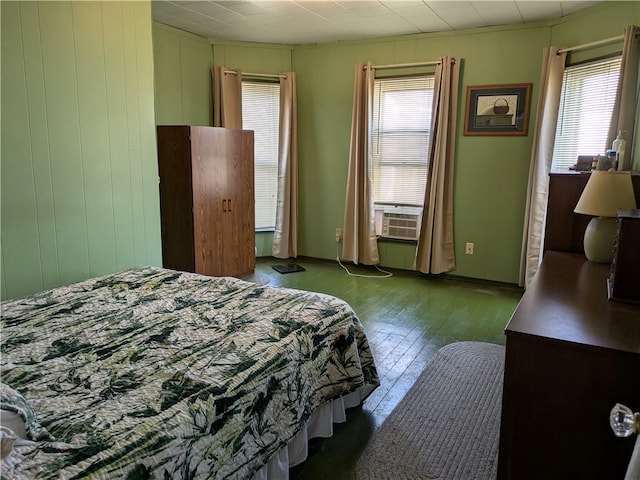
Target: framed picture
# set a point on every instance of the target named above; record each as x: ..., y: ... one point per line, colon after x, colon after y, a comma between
x: 497, y: 109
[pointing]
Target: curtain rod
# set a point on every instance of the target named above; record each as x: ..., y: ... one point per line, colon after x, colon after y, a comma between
x: 592, y: 44
x: 265, y: 75
x: 402, y: 65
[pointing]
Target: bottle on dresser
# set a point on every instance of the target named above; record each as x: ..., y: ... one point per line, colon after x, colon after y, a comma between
x: 618, y: 146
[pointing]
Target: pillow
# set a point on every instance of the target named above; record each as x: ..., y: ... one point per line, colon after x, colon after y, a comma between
x: 14, y: 422
x: 7, y: 439
x: 12, y: 401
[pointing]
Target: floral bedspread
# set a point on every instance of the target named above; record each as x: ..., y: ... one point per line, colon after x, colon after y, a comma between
x: 153, y: 373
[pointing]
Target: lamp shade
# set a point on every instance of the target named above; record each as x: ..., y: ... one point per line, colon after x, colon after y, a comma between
x: 606, y: 193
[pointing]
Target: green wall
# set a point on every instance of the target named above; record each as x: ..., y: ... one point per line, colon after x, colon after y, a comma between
x: 482, y: 196
x: 79, y: 172
x: 491, y: 172
x: 79, y: 193
x: 182, y: 77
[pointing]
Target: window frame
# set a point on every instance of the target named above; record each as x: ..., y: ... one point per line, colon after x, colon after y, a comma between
x: 265, y: 168
x: 397, y: 133
x: 569, y: 146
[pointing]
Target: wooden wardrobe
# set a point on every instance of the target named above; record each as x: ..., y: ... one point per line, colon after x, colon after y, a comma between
x: 207, y: 199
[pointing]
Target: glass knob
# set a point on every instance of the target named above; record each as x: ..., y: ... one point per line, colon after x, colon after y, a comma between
x: 622, y: 421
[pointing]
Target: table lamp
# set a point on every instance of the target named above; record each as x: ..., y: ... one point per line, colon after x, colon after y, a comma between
x: 604, y: 194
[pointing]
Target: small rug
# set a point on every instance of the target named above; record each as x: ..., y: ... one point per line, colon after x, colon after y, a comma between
x: 448, y: 424
x: 288, y: 268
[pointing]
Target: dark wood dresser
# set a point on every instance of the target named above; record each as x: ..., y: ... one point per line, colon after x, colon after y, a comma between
x: 571, y: 355
x: 564, y: 229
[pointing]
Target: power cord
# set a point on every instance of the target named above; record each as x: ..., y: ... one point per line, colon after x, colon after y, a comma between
x: 386, y: 274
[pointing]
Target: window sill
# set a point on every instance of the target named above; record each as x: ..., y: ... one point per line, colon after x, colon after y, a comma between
x: 396, y: 240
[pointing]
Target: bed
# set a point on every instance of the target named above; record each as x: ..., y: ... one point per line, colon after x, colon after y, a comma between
x: 154, y: 373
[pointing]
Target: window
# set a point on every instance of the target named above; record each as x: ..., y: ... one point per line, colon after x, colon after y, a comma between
x: 261, y: 113
x: 586, y: 106
x: 402, y: 111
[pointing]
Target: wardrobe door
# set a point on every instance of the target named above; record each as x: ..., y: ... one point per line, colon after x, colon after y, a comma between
x: 241, y: 203
x: 209, y: 192
x: 223, y: 199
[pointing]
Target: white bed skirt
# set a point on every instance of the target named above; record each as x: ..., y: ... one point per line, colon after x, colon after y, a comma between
x: 319, y: 425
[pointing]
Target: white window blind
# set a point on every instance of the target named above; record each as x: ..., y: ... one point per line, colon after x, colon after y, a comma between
x: 400, y: 139
x: 260, y: 113
x: 586, y: 107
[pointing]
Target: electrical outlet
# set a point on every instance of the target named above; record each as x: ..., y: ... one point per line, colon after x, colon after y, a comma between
x: 468, y: 248
x: 338, y: 234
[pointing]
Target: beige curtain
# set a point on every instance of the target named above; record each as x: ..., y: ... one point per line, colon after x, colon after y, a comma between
x: 359, y: 234
x: 285, y: 235
x: 227, y: 97
x: 541, y: 154
x: 624, y: 113
x: 435, y: 252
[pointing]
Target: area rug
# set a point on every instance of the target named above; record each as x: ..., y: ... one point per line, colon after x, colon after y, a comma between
x: 447, y: 426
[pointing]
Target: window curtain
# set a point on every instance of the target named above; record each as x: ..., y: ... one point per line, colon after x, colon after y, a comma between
x: 624, y: 112
x: 359, y: 234
x: 227, y: 97
x: 285, y: 235
x: 541, y: 155
x: 435, y: 252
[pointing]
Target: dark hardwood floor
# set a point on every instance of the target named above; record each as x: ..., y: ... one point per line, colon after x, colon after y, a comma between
x: 407, y: 318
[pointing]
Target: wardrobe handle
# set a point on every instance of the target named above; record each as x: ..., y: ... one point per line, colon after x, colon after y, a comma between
x: 229, y: 204
x: 224, y: 205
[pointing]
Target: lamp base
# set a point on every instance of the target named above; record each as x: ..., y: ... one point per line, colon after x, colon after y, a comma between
x: 598, y: 239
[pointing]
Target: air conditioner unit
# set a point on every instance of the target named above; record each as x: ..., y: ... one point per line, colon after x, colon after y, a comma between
x: 401, y: 222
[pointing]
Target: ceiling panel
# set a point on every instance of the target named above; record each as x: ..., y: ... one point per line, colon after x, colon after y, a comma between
x: 499, y: 13
x: 534, y: 11
x: 315, y: 21
x: 204, y: 8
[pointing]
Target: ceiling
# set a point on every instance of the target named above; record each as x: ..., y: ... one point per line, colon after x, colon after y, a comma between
x: 315, y: 21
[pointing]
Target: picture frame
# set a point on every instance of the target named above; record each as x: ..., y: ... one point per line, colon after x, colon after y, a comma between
x: 498, y: 109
